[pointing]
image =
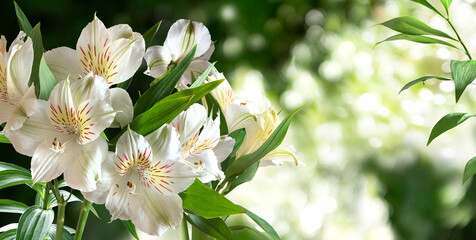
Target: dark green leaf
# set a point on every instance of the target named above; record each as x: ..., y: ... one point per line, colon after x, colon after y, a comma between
x: 469, y: 169
x: 4, y: 139
x: 239, y: 136
x: 11, y: 206
x: 417, y: 39
x: 131, y: 228
x: 463, y: 73
x: 412, y: 26
x: 23, y: 22
x: 263, y: 224
x: 34, y: 223
x: 202, y: 77
x: 11, y: 175
x: 241, y: 227
x: 214, y: 227
x: 149, y: 35
x: 428, y: 5
x: 446, y: 4
x: 67, y: 235
x: 446, y: 123
x: 125, y: 85
x: 276, y: 138
x: 47, y: 80
x: 422, y: 79
x: 205, y: 202
x: 164, y: 87
x: 244, y: 177
x: 37, y: 55
x: 8, y: 235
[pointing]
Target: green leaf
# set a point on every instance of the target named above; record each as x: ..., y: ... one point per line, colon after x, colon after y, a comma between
x: 11, y: 206
x: 463, y: 74
x: 428, y: 5
x: 202, y: 77
x: 67, y: 235
x: 37, y: 55
x: 12, y: 175
x: 263, y: 224
x: 446, y: 4
x: 4, y: 139
x: 242, y: 227
x: 23, y: 22
x: 52, y: 199
x: 469, y: 169
x: 244, y: 177
x: 205, y: 202
x: 417, y: 39
x: 239, y: 136
x: 149, y: 35
x: 47, y: 80
x: 412, y: 26
x: 168, y: 108
x: 164, y: 87
x: 276, y: 138
x: 8, y: 235
x: 446, y: 123
x: 131, y: 228
x: 34, y: 223
x: 422, y: 79
x: 214, y: 227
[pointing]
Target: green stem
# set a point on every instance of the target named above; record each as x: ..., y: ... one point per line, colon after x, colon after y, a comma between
x: 184, y: 228
x: 60, y: 217
x: 459, y: 39
x: 45, y: 196
x: 83, y: 216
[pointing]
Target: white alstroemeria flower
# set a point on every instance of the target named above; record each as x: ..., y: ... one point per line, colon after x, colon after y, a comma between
x: 63, y: 135
x: 203, y: 150
x: 181, y: 38
x: 113, y: 53
x: 17, y: 100
x: 142, y: 181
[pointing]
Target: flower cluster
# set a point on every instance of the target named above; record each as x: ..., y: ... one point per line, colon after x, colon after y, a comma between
x: 140, y: 180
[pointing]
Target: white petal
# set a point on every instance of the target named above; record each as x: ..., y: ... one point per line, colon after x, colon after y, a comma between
x: 34, y: 130
x: 105, y: 182
x: 158, y: 59
x: 154, y: 214
x: 47, y: 163
x: 165, y: 143
x: 6, y: 110
x: 19, y: 68
x: 206, y: 165
x: 63, y: 62
x: 92, y: 39
x: 89, y: 87
x: 238, y: 116
x: 118, y: 200
x: 132, y: 149
x: 25, y: 108
x: 184, y: 35
x: 120, y: 31
x: 208, y: 137
x: 121, y: 103
x: 223, y: 93
x: 224, y: 147
x: 84, y: 166
x: 189, y: 122
x: 278, y: 156
x: 137, y: 50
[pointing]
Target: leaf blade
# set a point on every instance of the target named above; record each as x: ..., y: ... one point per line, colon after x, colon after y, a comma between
x: 149, y: 35
x: 263, y: 224
x: 446, y: 123
x: 34, y: 223
x: 412, y: 26
x: 422, y: 79
x: 417, y: 39
x: 463, y: 74
x: 214, y: 227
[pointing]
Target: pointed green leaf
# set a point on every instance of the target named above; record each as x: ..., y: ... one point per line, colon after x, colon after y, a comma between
x: 202, y: 77
x: 46, y: 80
x: 34, y: 223
x: 263, y: 224
x: 67, y: 235
x: 12, y: 175
x: 8, y: 235
x: 149, y: 35
x: 11, y: 206
x: 36, y: 38
x: 242, y: 227
x: 165, y: 86
x: 4, y: 139
x: 446, y: 4
x: 205, y: 202
x: 428, y: 5
x: 422, y: 79
x: 446, y: 123
x: 239, y: 136
x: 131, y: 228
x: 276, y: 138
x: 244, y: 177
x: 412, y: 26
x: 23, y: 22
x: 463, y: 74
x: 214, y: 227
x: 417, y: 39
x: 469, y: 169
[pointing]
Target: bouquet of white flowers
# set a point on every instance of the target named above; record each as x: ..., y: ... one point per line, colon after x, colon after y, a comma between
x: 179, y: 149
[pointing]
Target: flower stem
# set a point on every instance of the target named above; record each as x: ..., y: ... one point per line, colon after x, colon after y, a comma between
x: 45, y: 196
x: 184, y: 228
x: 459, y: 39
x: 83, y: 216
x: 60, y: 217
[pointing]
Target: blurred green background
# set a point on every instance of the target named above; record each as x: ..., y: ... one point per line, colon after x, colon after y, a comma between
x: 368, y: 173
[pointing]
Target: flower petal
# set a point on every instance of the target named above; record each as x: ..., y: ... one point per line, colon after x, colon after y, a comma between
x: 283, y: 153
x: 19, y: 68
x: 196, y: 68
x: 224, y: 147
x: 89, y: 87
x: 208, y: 138
x: 105, y: 182
x: 47, y: 163
x: 165, y: 143
x: 184, y: 35
x: 135, y: 46
x: 84, y: 164
x: 121, y: 103
x: 132, y: 149
x: 158, y: 59
x: 63, y: 63
x: 205, y: 165
x: 119, y: 199
x: 168, y: 177
x: 25, y: 108
x: 189, y: 122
